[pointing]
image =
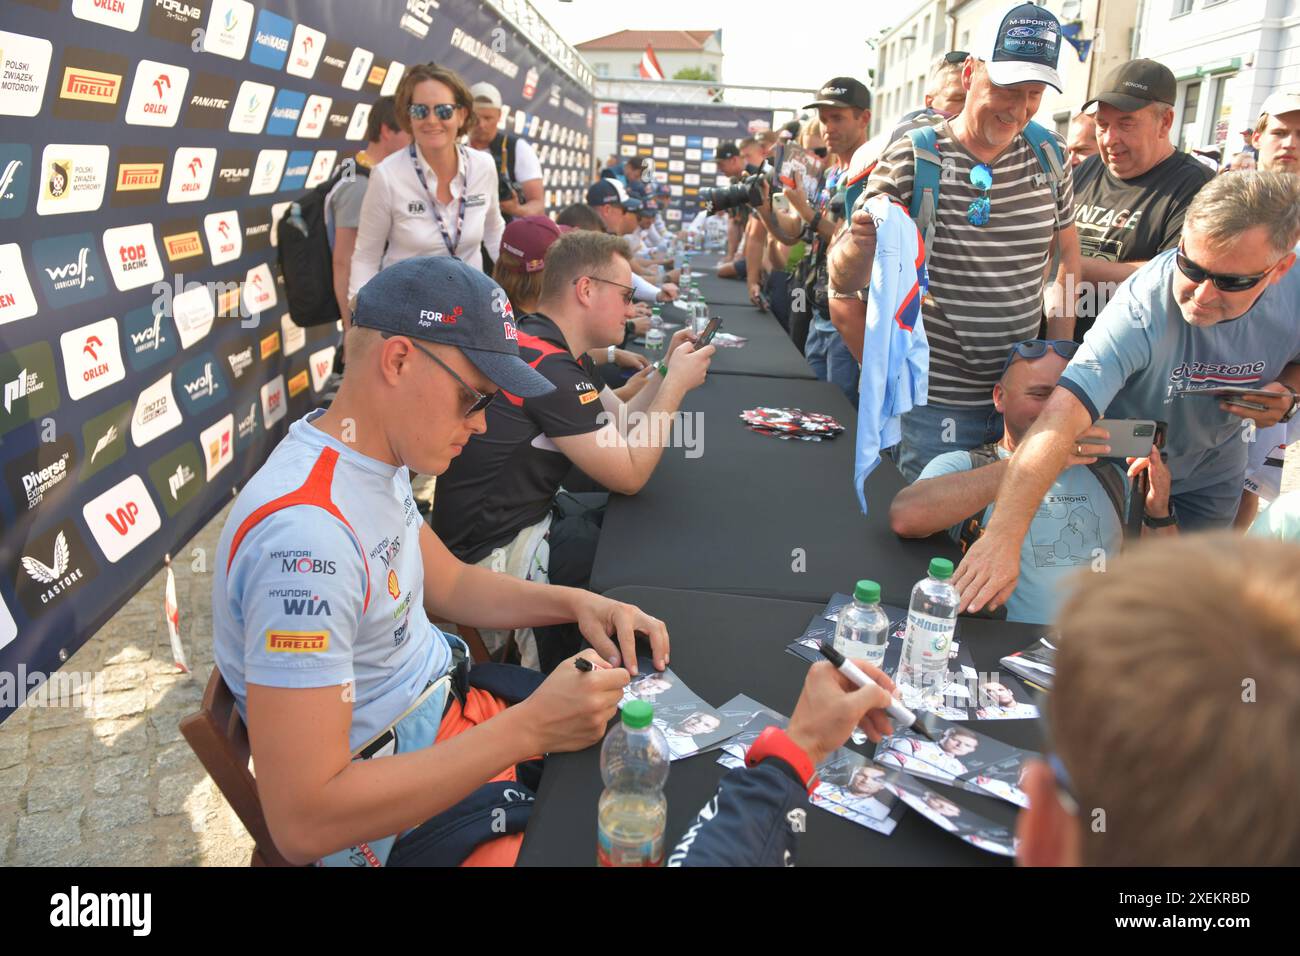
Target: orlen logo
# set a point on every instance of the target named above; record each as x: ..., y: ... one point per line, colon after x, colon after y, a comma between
x: 225, y: 237
x: 92, y: 358
x: 428, y: 318
x: 192, y: 170
x: 308, y: 45
x: 157, y: 94
x: 121, y: 518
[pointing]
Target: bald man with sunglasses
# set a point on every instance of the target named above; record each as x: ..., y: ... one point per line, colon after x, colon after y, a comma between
x: 1080, y: 519
x: 1220, y: 310
x: 328, y: 583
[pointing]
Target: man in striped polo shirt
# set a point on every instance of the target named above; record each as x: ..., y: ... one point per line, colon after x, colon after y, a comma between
x: 991, y: 244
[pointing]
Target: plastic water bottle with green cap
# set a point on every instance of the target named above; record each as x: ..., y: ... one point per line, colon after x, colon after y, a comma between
x: 633, y: 812
x: 862, y: 629
x: 931, y: 622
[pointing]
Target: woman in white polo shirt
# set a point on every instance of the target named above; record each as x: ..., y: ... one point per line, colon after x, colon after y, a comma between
x: 436, y: 197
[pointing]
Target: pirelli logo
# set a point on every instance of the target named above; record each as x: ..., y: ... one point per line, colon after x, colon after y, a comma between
x: 298, y: 383
x: 297, y: 642
x: 586, y: 398
x: 136, y: 176
x: 377, y: 74
x: 90, y: 85
x: 183, y: 246
x: 270, y: 345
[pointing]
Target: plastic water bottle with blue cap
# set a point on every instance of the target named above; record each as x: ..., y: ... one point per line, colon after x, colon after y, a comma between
x: 633, y: 811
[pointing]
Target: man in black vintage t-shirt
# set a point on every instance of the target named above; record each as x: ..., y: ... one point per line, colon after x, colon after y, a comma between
x: 1130, y: 198
x: 496, y: 504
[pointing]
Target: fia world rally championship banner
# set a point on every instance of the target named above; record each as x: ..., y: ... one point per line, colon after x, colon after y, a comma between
x: 148, y: 364
x: 683, y: 140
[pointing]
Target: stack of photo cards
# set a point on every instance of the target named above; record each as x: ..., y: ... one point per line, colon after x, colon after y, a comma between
x: 743, y: 709
x: 688, y: 722
x: 958, y: 756
x: 967, y: 695
x: 850, y: 786
x: 853, y: 787
x: 1036, y: 664
x: 946, y: 814
x: 791, y: 423
x: 962, y: 676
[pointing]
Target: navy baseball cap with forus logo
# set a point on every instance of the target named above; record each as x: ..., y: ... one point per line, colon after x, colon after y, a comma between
x: 441, y: 299
x: 1021, y: 44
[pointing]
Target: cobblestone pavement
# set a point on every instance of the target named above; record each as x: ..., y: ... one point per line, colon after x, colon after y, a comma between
x: 114, y: 783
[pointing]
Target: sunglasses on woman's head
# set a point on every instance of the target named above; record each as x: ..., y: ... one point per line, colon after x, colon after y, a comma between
x: 444, y: 111
x: 1224, y: 283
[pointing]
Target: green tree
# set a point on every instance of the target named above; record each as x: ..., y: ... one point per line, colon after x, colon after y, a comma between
x: 694, y: 73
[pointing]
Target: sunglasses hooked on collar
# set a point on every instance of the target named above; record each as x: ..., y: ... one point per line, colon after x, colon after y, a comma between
x: 1222, y: 282
x: 444, y: 111
x: 477, y: 400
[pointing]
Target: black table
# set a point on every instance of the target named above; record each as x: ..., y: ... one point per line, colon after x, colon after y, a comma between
x: 768, y: 351
x: 732, y: 519
x: 723, y: 645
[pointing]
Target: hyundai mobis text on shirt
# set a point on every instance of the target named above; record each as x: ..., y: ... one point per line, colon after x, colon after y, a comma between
x: 1142, y: 353
x: 326, y: 586
x: 506, y: 478
x: 1126, y: 220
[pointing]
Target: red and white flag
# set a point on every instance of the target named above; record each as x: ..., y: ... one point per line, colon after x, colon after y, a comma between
x: 172, y: 614
x: 650, y: 68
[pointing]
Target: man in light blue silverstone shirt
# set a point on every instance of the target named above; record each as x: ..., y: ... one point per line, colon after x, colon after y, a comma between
x: 328, y: 581
x: 1221, y: 310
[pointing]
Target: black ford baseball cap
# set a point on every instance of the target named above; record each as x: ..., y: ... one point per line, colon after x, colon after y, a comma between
x: 441, y: 299
x: 1136, y: 84
x: 843, y: 91
x: 606, y: 192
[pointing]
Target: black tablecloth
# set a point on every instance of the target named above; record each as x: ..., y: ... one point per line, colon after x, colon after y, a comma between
x: 732, y: 518
x: 723, y: 645
x: 768, y: 351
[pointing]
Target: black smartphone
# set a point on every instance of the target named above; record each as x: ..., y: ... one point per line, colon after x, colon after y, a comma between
x: 710, y: 330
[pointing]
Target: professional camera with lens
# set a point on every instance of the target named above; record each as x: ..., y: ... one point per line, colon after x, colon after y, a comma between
x: 743, y: 193
x: 507, y: 188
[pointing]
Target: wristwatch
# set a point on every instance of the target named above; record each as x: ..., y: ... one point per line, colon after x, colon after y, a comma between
x: 1151, y: 522
x: 609, y: 355
x: 1290, y: 413
x: 775, y: 742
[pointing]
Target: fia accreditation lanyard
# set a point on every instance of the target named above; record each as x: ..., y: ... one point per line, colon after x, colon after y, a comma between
x: 433, y: 204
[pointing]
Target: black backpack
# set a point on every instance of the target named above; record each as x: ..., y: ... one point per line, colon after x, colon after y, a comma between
x: 304, y: 255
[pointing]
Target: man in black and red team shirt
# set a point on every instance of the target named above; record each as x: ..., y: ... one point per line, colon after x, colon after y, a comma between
x: 496, y: 505
x: 1130, y: 198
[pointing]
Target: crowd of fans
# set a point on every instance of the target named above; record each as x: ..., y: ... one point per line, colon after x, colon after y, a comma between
x: 1104, y: 274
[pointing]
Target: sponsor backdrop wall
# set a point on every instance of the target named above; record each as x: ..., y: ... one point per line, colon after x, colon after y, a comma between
x: 682, y: 141
x: 147, y: 361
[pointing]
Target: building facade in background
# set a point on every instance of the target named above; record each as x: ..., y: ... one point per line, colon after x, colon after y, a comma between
x: 618, y: 55
x: 905, y: 52
x: 1227, y: 55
